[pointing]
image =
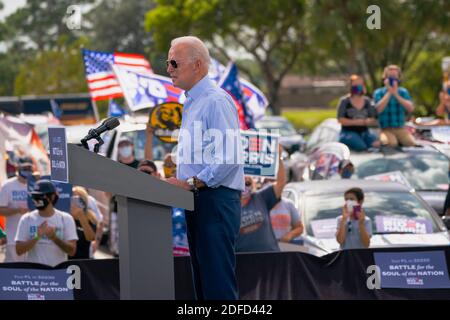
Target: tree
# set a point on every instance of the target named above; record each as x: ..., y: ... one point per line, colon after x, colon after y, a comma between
x: 339, y: 32
x: 272, y: 32
x: 52, y: 71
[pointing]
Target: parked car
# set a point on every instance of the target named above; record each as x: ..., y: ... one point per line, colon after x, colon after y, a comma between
x: 425, y: 169
x: 290, y: 139
x: 400, y: 217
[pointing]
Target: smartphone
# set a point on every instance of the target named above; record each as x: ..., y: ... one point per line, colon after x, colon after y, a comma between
x: 392, y: 81
x: 356, y: 212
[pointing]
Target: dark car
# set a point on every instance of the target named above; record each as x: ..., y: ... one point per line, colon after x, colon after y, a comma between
x: 424, y: 168
x: 290, y: 139
x: 400, y: 217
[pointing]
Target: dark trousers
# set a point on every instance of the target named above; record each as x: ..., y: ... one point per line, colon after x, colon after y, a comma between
x: 212, y: 229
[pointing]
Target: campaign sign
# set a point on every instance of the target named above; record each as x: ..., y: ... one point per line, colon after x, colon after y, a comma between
x: 58, y: 154
x: 387, y: 224
x: 260, y: 153
x: 146, y: 89
x: 34, y: 284
x: 413, y: 270
x: 165, y: 119
x: 324, y: 228
x: 64, y: 191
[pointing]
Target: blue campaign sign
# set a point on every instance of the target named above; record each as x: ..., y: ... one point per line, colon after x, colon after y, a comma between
x: 34, y: 284
x: 58, y: 154
x: 260, y: 153
x: 64, y: 191
x: 413, y: 270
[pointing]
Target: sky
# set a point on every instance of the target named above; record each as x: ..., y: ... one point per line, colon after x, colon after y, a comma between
x: 9, y: 6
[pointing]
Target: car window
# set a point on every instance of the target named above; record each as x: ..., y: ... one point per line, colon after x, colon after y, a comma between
x: 384, y: 209
x: 427, y: 171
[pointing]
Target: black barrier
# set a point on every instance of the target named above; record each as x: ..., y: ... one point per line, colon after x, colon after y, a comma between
x: 267, y: 276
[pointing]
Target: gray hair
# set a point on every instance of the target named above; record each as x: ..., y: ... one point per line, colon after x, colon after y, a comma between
x: 197, y: 48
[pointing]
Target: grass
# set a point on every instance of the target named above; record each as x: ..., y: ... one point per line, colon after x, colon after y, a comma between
x: 308, y: 118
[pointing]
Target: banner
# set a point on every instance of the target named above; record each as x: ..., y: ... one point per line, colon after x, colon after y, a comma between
x: 260, y: 153
x: 165, y: 119
x: 145, y: 89
x: 64, y: 192
x: 57, y: 141
x: 34, y: 284
x: 386, y: 224
x: 417, y: 270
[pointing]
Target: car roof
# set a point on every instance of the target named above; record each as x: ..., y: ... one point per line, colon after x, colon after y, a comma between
x: 340, y: 186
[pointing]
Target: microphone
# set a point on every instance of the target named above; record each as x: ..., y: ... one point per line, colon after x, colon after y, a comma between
x: 106, y: 125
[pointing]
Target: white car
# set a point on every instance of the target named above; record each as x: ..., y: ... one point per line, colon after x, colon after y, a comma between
x: 400, y: 217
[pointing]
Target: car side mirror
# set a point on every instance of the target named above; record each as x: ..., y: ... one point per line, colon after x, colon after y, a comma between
x: 446, y: 220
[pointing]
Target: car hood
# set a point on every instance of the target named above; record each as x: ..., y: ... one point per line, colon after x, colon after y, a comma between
x: 324, y: 246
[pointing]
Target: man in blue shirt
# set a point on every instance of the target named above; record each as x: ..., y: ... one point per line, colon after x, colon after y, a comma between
x: 393, y: 103
x: 209, y: 162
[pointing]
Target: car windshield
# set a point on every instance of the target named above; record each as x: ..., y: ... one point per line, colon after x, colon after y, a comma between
x: 285, y: 127
x: 159, y: 148
x: 424, y: 171
x: 390, y: 212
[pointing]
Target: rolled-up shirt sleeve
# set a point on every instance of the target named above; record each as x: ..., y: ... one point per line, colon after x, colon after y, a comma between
x: 222, y: 149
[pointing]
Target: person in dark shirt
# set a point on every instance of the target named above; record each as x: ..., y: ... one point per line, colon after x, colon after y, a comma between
x: 126, y: 152
x: 85, y: 221
x: 256, y: 233
x: 356, y: 113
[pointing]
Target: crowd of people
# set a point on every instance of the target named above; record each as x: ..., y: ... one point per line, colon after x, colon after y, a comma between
x: 389, y: 110
x: 49, y: 236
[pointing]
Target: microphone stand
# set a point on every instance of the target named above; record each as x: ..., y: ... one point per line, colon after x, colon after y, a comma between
x: 97, y: 137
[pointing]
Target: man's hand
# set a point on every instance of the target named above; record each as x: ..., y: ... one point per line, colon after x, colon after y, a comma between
x: 179, y: 183
x: 393, y: 90
x: 50, y: 232
x: 41, y: 231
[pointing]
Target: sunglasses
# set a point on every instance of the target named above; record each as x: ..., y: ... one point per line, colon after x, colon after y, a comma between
x: 349, y: 226
x: 148, y: 172
x: 173, y: 63
x: 248, y: 184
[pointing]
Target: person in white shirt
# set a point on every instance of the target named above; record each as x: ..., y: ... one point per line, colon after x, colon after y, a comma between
x: 46, y: 235
x: 13, y: 204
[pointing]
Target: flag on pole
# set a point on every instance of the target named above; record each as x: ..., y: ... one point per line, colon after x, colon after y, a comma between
x: 102, y: 82
x: 254, y: 99
x: 146, y: 90
x: 230, y: 83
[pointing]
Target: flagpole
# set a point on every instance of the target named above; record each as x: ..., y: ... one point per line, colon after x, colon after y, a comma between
x: 97, y: 117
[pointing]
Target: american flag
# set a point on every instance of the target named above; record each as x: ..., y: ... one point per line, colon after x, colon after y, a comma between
x: 230, y: 83
x: 102, y: 82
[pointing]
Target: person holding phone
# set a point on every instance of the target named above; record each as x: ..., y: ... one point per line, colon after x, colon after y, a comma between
x: 393, y: 104
x: 354, y: 228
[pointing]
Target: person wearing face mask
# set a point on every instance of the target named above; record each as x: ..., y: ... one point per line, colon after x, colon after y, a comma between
x: 354, y: 228
x: 46, y: 235
x: 126, y: 152
x: 256, y: 233
x: 13, y: 204
x: 85, y: 221
x: 393, y: 104
x: 356, y: 113
x: 443, y: 109
x: 346, y: 169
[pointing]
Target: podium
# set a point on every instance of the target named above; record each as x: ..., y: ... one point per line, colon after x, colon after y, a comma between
x: 144, y: 206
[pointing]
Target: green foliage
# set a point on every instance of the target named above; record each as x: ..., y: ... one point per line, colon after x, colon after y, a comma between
x: 308, y: 118
x: 58, y: 70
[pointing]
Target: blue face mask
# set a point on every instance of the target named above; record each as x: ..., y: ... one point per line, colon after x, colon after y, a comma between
x: 357, y: 89
x: 25, y: 173
x: 346, y: 174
